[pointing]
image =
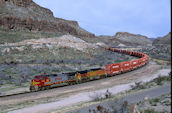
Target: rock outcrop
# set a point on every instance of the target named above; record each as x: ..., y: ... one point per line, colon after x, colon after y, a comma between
x: 132, y: 39
x: 22, y: 3
x: 163, y: 40
x: 125, y: 39
x: 27, y: 15
x: 161, y: 48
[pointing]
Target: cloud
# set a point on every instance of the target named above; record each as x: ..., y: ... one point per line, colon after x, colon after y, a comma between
x: 106, y: 17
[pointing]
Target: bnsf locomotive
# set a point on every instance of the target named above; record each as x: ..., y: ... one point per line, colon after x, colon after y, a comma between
x: 46, y: 81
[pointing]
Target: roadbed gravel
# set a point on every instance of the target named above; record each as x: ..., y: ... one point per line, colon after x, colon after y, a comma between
x: 65, y: 96
x: 131, y: 98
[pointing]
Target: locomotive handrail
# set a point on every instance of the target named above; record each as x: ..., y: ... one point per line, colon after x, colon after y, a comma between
x: 86, y: 75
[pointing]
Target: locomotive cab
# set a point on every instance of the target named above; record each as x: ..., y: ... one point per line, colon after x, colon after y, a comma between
x: 37, y: 83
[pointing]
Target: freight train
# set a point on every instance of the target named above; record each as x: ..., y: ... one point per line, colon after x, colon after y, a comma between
x: 46, y: 81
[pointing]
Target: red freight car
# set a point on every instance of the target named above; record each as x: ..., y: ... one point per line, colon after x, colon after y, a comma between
x: 134, y: 64
x: 125, y: 66
x: 139, y: 62
x: 113, y: 69
x: 51, y: 80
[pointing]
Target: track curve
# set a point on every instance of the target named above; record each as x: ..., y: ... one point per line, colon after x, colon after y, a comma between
x: 117, y: 68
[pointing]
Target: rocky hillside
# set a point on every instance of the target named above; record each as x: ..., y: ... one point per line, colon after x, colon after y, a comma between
x: 132, y: 39
x: 125, y: 39
x: 21, y: 60
x: 27, y: 15
x: 163, y: 40
x: 161, y: 48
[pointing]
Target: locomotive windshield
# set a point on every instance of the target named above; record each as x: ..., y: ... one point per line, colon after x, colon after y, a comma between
x: 40, y: 77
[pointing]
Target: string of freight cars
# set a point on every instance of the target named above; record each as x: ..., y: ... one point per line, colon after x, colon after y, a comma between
x: 43, y: 82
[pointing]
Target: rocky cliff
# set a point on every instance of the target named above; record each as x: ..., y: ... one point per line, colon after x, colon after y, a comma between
x: 27, y: 15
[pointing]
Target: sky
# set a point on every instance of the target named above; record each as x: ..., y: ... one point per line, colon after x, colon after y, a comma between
x: 151, y: 18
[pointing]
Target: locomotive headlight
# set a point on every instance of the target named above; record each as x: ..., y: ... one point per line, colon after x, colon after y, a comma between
x: 47, y: 80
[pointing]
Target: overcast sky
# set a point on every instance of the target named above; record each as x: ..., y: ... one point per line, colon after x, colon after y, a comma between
x: 106, y: 17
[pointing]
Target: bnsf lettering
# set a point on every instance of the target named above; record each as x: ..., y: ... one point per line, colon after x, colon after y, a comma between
x: 42, y: 82
x: 58, y: 78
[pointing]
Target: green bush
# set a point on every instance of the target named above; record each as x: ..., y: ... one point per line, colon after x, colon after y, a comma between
x: 156, y: 100
x: 148, y: 111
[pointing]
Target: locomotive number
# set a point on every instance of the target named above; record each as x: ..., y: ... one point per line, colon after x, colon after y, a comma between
x: 58, y: 78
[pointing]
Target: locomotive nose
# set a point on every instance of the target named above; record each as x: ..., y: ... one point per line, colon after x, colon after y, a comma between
x: 35, y: 82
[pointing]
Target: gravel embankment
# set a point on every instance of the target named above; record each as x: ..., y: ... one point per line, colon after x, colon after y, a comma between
x: 116, y: 85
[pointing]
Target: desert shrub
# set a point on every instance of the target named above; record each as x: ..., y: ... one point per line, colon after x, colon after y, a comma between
x: 119, y: 106
x: 148, y: 111
x: 99, y: 109
x: 101, y: 96
x: 108, y: 94
x: 137, y: 85
x: 155, y: 100
x: 17, y: 82
x: 13, y: 36
x: 22, y: 73
x: 1, y: 82
x: 159, y: 80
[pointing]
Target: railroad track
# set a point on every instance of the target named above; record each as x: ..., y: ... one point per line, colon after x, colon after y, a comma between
x: 1, y: 96
x: 143, y: 59
x: 56, y: 94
